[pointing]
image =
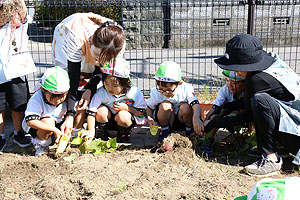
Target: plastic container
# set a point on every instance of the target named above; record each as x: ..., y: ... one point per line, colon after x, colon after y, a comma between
x: 153, y: 129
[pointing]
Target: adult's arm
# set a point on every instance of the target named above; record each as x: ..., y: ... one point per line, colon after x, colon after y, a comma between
x: 94, y: 81
x: 74, y: 75
x: 256, y: 82
x: 223, y: 122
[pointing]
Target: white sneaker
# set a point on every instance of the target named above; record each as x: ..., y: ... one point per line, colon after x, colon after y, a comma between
x: 264, y: 166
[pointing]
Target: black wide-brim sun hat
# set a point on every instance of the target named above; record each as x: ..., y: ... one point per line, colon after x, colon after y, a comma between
x: 245, y: 52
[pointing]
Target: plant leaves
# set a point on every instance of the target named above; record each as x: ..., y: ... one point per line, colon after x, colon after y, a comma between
x: 93, y: 144
x: 79, y: 133
x: 82, y: 148
x: 111, y: 150
x: 77, y: 140
x: 98, y: 146
x: 112, y: 142
x: 98, y: 152
x: 70, y: 157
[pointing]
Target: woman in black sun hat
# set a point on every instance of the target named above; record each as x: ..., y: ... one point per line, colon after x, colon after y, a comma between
x: 272, y: 100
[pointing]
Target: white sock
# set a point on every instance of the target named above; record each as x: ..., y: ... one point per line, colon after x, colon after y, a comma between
x: 43, y: 143
x: 188, y: 128
x: 2, y: 135
x: 165, y: 127
x: 15, y: 132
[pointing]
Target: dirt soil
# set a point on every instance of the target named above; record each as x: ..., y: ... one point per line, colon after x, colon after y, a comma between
x: 128, y: 174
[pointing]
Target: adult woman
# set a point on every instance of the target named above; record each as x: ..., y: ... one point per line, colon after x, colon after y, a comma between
x: 272, y: 99
x: 80, y: 42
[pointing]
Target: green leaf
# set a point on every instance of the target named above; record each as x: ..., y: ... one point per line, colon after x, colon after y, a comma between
x: 98, y: 146
x: 77, y: 140
x: 70, y: 157
x: 79, y: 133
x: 82, y: 148
x: 93, y: 144
x: 112, y: 143
x: 101, y: 143
x: 98, y: 152
x: 111, y: 150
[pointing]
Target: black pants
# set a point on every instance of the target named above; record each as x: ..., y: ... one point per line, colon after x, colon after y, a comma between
x: 266, y: 116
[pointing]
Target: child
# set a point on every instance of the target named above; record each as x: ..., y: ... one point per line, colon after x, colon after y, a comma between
x: 46, y: 109
x: 228, y: 101
x: 15, y: 63
x: 116, y: 103
x: 173, y: 104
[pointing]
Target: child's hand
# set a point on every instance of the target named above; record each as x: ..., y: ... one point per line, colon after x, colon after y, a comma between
x: 151, y: 122
x: 120, y: 106
x: 251, y: 129
x: 58, y: 134
x: 67, y: 126
x: 198, y: 126
x: 206, y: 122
x: 84, y: 101
x: 88, y: 134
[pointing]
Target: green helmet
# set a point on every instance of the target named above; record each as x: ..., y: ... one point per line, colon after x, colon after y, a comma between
x: 55, y: 80
x: 232, y: 75
x: 168, y: 71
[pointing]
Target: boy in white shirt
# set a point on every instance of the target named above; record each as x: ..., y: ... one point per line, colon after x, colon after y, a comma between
x: 46, y: 109
x: 230, y: 100
x: 172, y: 103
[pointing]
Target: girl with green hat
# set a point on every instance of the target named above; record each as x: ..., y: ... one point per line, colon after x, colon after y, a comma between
x: 117, y: 105
x: 46, y: 109
x: 172, y: 103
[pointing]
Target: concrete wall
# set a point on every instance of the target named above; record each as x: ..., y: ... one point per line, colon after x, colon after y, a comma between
x: 143, y: 25
x: 205, y: 26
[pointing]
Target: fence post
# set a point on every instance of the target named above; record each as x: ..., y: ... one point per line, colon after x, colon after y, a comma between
x: 250, y: 25
x: 166, y: 22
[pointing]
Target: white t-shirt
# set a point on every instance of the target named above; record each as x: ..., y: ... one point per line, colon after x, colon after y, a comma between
x: 37, y: 106
x: 225, y: 96
x: 20, y: 37
x: 70, y: 40
x: 133, y: 98
x: 184, y: 93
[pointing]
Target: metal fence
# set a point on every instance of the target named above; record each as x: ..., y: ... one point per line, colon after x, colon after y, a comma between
x: 190, y: 32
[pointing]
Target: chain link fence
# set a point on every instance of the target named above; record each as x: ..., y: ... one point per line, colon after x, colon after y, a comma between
x: 190, y: 32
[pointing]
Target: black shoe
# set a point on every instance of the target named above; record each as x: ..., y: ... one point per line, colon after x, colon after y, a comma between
x: 123, y: 134
x: 163, y: 134
x: 101, y: 132
x: 21, y: 140
x: 2, y: 143
x: 188, y: 133
x: 123, y: 139
x: 207, y: 144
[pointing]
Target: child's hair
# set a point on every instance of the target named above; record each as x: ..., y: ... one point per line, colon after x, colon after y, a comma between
x: 110, y: 39
x: 54, y: 96
x: 124, y: 82
x: 164, y: 83
x: 10, y: 9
